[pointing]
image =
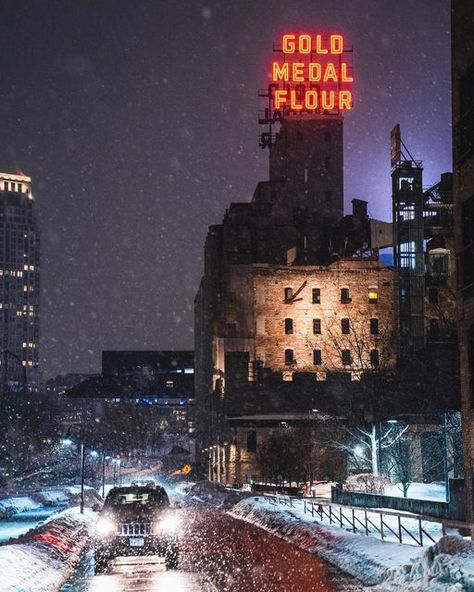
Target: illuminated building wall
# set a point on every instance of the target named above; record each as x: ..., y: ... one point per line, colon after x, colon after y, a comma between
x: 463, y: 159
x: 19, y: 284
x: 339, y: 318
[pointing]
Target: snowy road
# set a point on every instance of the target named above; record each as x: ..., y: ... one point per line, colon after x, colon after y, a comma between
x: 219, y: 554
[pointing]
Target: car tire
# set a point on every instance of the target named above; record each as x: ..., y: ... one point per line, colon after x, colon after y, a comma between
x: 172, y: 558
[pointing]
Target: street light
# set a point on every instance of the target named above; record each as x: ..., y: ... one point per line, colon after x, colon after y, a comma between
x: 67, y: 441
x: 117, y: 476
x: 95, y: 454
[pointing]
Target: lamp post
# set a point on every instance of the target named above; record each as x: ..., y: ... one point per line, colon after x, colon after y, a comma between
x: 117, y: 476
x: 67, y: 441
x: 95, y: 454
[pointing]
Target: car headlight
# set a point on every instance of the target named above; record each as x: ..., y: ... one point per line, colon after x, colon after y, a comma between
x: 105, y: 526
x: 170, y: 523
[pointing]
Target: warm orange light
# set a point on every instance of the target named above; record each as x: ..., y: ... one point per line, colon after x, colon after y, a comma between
x: 306, y: 44
x: 314, y: 72
x: 344, y: 76
x: 280, y: 72
x: 311, y: 59
x: 298, y: 72
x: 330, y: 73
x: 345, y: 100
x: 311, y: 100
x: 289, y: 45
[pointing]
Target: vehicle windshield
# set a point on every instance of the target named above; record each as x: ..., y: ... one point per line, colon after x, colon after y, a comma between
x: 137, y: 498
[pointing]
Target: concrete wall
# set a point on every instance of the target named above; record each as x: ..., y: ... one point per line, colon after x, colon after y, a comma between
x: 453, y: 510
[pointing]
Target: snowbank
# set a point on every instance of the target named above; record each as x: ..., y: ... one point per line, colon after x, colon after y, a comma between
x: 365, y: 558
x: 60, y: 497
x: 44, y: 558
x: 447, y: 566
x: 214, y: 494
x: 15, y: 505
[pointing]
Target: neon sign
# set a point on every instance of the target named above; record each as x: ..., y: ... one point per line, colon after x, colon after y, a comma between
x: 312, y: 76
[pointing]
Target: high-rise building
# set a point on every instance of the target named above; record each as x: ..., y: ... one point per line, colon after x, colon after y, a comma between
x: 19, y: 285
x: 463, y: 189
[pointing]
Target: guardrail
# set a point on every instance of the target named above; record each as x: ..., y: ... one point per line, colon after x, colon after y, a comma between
x: 383, y: 524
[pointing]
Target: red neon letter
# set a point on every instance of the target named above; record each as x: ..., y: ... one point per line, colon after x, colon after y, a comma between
x: 344, y: 76
x: 304, y: 44
x: 280, y: 72
x: 293, y: 104
x: 330, y: 73
x: 337, y: 44
x: 314, y: 72
x: 311, y: 100
x: 327, y: 105
x: 298, y: 73
x: 345, y: 100
x: 289, y: 44
x: 281, y: 96
x: 319, y: 44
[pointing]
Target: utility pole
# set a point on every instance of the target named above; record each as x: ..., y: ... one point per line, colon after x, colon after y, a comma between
x: 83, y: 460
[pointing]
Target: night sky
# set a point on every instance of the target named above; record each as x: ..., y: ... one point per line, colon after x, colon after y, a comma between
x: 138, y: 122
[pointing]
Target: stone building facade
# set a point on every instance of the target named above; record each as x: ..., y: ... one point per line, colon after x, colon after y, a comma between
x: 294, y: 310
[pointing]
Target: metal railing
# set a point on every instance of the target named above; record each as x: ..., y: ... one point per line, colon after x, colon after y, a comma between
x: 403, y: 527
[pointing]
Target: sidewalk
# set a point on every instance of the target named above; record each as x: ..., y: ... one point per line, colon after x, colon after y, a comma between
x: 447, y: 566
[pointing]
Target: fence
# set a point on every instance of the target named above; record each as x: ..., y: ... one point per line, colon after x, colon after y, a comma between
x: 384, y: 524
x: 454, y: 510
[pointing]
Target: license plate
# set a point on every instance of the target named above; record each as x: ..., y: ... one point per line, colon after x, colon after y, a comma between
x: 137, y: 541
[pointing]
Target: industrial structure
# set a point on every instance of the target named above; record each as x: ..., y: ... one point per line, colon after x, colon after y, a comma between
x: 296, y: 316
x: 19, y: 285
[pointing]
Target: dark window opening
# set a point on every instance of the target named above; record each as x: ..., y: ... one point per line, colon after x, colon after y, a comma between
x: 374, y: 326
x: 288, y: 293
x: 317, y: 357
x: 346, y: 357
x: 468, y: 242
x: 231, y: 330
x: 374, y: 358
x: 289, y: 356
x: 345, y: 326
x: 316, y: 296
x: 433, y: 296
x: 252, y: 441
x: 345, y: 296
x: 288, y: 326
x: 316, y: 326
x: 471, y: 361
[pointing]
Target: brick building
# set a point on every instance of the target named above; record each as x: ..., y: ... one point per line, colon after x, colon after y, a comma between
x: 463, y: 159
x: 295, y: 312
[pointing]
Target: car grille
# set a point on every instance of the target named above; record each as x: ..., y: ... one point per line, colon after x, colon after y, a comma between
x: 136, y: 528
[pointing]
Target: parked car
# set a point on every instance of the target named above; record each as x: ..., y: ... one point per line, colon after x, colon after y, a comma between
x: 137, y: 520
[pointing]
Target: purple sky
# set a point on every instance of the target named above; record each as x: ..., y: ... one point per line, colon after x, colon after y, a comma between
x: 138, y: 123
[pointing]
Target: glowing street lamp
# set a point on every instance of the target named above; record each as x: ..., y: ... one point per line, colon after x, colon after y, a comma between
x: 68, y: 441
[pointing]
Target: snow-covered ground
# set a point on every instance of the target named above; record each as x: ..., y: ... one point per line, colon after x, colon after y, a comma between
x: 447, y: 566
x: 43, y: 559
x: 423, y: 491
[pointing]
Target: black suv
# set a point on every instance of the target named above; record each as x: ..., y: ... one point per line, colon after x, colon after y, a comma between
x: 136, y: 520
